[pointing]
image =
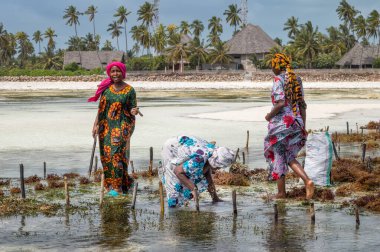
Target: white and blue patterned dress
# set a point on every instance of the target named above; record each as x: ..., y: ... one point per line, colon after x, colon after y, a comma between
x: 193, y: 153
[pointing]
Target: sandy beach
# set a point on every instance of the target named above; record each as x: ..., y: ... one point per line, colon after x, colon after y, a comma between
x: 143, y: 85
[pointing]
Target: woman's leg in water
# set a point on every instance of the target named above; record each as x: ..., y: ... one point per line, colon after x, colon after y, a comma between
x: 298, y: 169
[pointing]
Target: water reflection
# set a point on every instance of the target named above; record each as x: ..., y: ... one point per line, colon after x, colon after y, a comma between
x: 115, y: 227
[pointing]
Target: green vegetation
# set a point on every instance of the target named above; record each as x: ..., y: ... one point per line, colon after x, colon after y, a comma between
x: 172, y: 46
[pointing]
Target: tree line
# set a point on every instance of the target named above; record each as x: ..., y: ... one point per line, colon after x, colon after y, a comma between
x: 169, y: 44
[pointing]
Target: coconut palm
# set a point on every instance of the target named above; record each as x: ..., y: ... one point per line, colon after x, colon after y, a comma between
x: 37, y: 37
x: 107, y: 46
x: 306, y: 42
x: 347, y: 14
x: 360, y: 27
x: 373, y: 26
x: 122, y: 13
x: 91, y: 11
x: 25, y: 47
x: 141, y: 35
x: 50, y: 35
x: 269, y: 56
x: 147, y: 13
x: 334, y: 43
x: 218, y: 54
x: 347, y: 38
x: 115, y: 30
x: 233, y: 15
x: 185, y: 28
x: 291, y: 25
x: 177, y: 50
x: 215, y: 25
x: 159, y: 39
x: 7, y: 46
x: 51, y: 60
x: 198, y: 51
x: 72, y: 16
x: 197, y: 27
x: 172, y: 30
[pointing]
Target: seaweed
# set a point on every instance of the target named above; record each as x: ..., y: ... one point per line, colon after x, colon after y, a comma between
x: 56, y: 184
x: 232, y: 179
x: 5, y: 182
x: 84, y: 180
x: 71, y: 175
x: 370, y: 202
x: 53, y: 177
x: 32, y: 179
x: 39, y: 187
x: 15, y: 190
x: 322, y: 194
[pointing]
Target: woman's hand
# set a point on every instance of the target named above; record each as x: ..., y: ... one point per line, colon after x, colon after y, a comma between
x: 95, y: 130
x: 268, y: 117
x: 134, y: 111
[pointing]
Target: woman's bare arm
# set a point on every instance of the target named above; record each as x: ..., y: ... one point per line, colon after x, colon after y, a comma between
x: 276, y: 108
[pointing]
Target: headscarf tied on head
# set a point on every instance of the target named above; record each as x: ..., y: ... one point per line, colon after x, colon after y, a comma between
x: 292, y: 86
x: 108, y: 82
x: 221, y: 157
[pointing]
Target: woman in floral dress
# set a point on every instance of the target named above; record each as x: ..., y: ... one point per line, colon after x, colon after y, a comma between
x: 286, y: 128
x: 115, y: 123
x: 187, y: 164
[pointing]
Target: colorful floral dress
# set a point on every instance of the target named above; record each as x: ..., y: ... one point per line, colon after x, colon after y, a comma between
x: 286, y: 136
x: 116, y: 126
x: 193, y: 153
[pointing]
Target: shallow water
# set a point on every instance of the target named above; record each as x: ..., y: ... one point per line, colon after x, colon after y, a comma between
x: 55, y: 126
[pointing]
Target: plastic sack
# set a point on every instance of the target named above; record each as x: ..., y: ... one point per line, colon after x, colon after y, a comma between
x: 318, y: 161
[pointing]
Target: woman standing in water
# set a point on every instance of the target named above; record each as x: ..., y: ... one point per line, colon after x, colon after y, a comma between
x: 115, y: 123
x: 286, y: 128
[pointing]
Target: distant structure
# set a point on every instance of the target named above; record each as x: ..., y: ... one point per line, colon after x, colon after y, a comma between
x: 250, y: 41
x: 156, y: 13
x: 360, y: 56
x: 92, y: 59
x: 244, y: 12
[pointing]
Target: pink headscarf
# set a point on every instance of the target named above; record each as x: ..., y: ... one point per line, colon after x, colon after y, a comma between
x: 108, y: 82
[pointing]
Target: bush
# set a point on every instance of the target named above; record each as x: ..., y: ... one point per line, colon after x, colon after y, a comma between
x: 376, y: 63
x: 325, y: 60
x: 71, y: 67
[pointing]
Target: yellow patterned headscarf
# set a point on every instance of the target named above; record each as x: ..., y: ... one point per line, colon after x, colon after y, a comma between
x: 292, y: 87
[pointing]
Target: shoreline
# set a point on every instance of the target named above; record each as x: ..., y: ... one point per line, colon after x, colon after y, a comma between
x: 172, y: 85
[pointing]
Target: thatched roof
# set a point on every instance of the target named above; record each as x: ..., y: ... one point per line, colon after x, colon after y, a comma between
x: 92, y: 59
x: 251, y: 39
x: 360, y: 55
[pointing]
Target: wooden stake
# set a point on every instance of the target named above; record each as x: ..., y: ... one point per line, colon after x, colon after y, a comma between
x: 369, y: 164
x: 275, y: 212
x: 364, y: 148
x: 196, y: 199
x: 134, y: 195
x: 162, y: 202
x: 243, y: 156
x: 66, y: 191
x: 348, y: 128
x: 151, y: 160
x: 92, y: 156
x: 234, y: 202
x: 335, y: 152
x: 44, y: 170
x: 312, y: 217
x: 327, y: 128
x: 22, y: 182
x: 133, y: 167
x: 101, y: 190
x: 357, y: 216
x: 96, y: 164
x: 362, y: 131
x: 247, y: 143
x: 357, y: 128
x: 236, y: 155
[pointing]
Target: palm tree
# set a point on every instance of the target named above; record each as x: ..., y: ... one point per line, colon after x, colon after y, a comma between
x: 292, y: 26
x: 159, y: 39
x: 115, y: 30
x: 306, y: 42
x: 51, y: 61
x: 147, y: 13
x: 360, y: 27
x: 91, y: 11
x: 122, y: 14
x: 25, y: 47
x: 347, y: 14
x: 172, y: 30
x: 215, y: 28
x: 232, y: 15
x: 72, y: 16
x: 7, y: 46
x: 334, y: 42
x: 347, y: 38
x: 177, y: 50
x: 141, y: 35
x: 185, y: 28
x: 198, y: 51
x: 197, y: 27
x: 107, y: 46
x: 218, y: 54
x: 269, y: 56
x: 50, y: 34
x: 37, y: 37
x: 373, y: 25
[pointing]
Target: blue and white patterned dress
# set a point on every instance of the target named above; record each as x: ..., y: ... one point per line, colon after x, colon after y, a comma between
x: 193, y: 153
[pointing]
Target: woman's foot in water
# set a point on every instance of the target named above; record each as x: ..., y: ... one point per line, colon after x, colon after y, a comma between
x: 309, y: 189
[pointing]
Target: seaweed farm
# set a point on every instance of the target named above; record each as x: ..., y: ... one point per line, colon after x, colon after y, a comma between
x: 63, y: 208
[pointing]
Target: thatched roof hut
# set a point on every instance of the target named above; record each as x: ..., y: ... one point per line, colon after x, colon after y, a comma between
x: 251, y: 40
x: 360, y: 55
x: 92, y: 59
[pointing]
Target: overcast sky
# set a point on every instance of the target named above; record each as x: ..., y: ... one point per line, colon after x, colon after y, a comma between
x: 32, y: 15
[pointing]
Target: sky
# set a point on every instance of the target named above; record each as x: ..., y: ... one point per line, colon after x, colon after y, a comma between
x: 270, y: 15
